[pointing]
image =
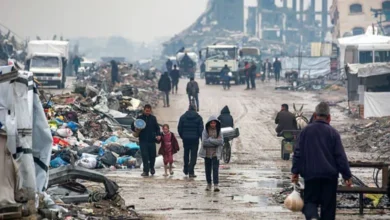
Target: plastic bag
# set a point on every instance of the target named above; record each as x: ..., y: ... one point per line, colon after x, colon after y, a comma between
x: 89, y: 163
x: 132, y: 146
x: 111, y: 139
x: 57, y: 162
x: 294, y: 201
x: 108, y: 158
x: 64, y: 132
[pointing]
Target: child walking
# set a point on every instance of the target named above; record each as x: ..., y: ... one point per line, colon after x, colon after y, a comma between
x: 211, y: 151
x: 169, y: 146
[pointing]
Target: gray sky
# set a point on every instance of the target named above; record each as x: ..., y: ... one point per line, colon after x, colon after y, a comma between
x: 139, y: 20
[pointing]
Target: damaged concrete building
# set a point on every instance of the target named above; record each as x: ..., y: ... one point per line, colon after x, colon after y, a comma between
x: 275, y: 29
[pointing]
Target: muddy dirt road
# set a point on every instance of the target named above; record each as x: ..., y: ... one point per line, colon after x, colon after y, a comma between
x: 246, y: 183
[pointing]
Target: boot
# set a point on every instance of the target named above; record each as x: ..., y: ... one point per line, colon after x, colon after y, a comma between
x: 216, y: 189
x: 208, y: 187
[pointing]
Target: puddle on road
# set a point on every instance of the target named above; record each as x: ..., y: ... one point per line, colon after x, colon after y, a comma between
x: 272, y: 183
x: 258, y: 200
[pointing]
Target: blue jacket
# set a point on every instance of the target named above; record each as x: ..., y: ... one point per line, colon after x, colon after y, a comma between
x: 190, y: 126
x: 319, y: 153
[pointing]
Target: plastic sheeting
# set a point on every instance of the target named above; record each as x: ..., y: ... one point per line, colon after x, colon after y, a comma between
x: 376, y: 104
x: 312, y: 66
x: 369, y: 69
x: 8, y: 171
x: 41, y: 143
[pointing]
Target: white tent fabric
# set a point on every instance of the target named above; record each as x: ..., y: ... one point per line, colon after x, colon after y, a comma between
x: 369, y: 69
x: 312, y: 66
x: 363, y: 42
x: 376, y: 104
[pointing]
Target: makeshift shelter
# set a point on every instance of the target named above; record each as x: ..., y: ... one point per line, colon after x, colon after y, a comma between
x: 365, y: 43
x: 371, y: 84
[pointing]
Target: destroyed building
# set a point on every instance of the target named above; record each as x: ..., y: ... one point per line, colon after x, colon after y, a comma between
x: 275, y: 30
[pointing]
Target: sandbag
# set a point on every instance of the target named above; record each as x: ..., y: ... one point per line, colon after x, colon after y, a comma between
x: 294, y: 201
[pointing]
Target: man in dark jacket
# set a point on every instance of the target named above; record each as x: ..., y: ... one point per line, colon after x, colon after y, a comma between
x: 169, y: 65
x: 285, y: 120
x: 76, y: 64
x: 164, y: 85
x: 193, y: 90
x: 147, y: 140
x: 247, y: 70
x: 226, y: 118
x: 175, y: 75
x: 253, y: 74
x: 225, y: 76
x: 114, y: 72
x: 319, y: 157
x: 277, y: 68
x: 190, y: 130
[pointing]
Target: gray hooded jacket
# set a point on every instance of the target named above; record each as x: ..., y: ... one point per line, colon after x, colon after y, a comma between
x: 211, y: 142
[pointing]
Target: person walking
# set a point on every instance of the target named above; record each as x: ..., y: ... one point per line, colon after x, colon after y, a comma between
x: 190, y: 130
x: 175, y: 75
x: 252, y: 75
x: 226, y: 118
x: 247, y: 75
x: 164, y: 85
x: 277, y: 68
x: 319, y: 157
x: 168, y: 65
x: 193, y: 91
x: 225, y: 77
x: 266, y: 70
x: 211, y: 151
x: 147, y: 139
x: 168, y: 148
x: 285, y: 120
x: 76, y: 64
x: 114, y: 72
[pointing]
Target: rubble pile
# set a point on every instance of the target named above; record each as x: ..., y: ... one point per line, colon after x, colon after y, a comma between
x: 93, y: 125
x: 372, y: 137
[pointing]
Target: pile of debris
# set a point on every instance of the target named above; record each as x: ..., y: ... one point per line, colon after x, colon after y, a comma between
x: 93, y: 125
x: 372, y: 137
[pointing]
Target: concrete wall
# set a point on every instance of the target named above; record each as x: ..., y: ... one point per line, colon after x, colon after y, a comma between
x: 348, y: 21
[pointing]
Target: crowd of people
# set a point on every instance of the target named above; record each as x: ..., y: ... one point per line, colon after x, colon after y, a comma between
x: 319, y: 156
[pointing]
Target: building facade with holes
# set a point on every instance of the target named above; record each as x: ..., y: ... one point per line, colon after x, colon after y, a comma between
x: 352, y: 17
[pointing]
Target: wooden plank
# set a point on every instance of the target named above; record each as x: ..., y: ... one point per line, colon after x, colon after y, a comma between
x: 344, y: 189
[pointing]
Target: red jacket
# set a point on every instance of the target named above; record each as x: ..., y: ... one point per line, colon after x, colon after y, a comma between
x: 175, y: 145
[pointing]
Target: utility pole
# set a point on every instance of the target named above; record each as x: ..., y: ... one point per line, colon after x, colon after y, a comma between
x: 324, y: 19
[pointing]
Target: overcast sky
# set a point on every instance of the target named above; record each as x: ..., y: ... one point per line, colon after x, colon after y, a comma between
x: 138, y: 20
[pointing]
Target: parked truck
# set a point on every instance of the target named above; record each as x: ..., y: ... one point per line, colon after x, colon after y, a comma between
x: 48, y: 60
x: 187, y: 63
x: 215, y: 58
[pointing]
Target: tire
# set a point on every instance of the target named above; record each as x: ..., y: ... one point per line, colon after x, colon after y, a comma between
x: 226, y: 152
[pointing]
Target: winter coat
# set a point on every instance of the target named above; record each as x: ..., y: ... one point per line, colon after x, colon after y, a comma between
x: 212, y: 142
x: 225, y: 118
x: 192, y: 88
x: 265, y: 67
x: 285, y: 121
x: 175, y: 145
x: 152, y: 129
x: 190, y: 126
x: 253, y: 70
x: 320, y: 154
x: 169, y: 65
x: 175, y: 75
x: 225, y: 73
x: 164, y: 84
x: 247, y: 70
x: 277, y: 66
